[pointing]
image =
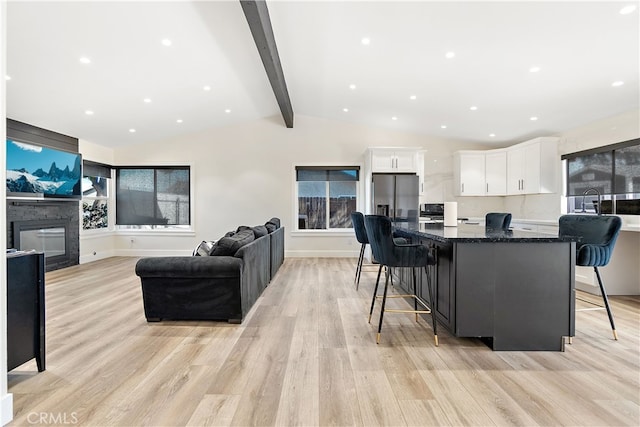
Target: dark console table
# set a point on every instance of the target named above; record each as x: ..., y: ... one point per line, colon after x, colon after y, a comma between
x: 25, y: 309
x: 513, y: 289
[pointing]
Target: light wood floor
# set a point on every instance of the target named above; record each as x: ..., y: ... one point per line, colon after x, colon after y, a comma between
x: 307, y: 356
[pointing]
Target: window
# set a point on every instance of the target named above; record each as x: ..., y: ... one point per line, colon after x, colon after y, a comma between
x: 613, y: 171
x: 153, y: 196
x: 326, y: 196
x: 95, y: 195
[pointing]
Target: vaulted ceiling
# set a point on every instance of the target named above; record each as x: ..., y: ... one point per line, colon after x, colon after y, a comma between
x: 117, y: 73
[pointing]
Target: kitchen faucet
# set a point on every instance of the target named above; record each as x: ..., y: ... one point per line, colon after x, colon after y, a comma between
x: 599, y: 209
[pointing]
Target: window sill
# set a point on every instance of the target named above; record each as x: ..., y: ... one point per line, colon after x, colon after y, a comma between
x: 164, y: 232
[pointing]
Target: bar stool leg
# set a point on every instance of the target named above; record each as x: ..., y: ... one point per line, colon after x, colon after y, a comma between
x: 375, y: 292
x: 415, y: 300
x: 359, y: 266
x: 432, y: 305
x: 606, y: 303
x: 384, y: 301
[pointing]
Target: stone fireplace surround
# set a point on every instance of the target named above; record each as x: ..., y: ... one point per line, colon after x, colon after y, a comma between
x: 54, y: 213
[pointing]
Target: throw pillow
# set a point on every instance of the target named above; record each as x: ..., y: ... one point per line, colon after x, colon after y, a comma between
x: 203, y: 248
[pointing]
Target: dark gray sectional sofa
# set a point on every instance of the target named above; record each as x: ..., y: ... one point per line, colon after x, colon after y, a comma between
x: 223, y: 285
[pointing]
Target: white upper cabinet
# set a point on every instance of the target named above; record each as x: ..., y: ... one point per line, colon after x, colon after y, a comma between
x: 527, y: 168
x: 532, y: 167
x: 420, y: 172
x: 469, y: 173
x: 394, y: 160
x: 495, y: 173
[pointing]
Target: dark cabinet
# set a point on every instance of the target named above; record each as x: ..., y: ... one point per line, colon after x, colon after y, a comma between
x: 515, y: 290
x: 443, y: 281
x: 25, y: 309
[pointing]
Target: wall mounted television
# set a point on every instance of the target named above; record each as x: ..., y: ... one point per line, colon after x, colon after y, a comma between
x: 37, y: 172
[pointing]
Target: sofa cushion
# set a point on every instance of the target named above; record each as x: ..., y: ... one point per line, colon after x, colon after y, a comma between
x: 260, y: 231
x: 272, y: 225
x: 229, y: 245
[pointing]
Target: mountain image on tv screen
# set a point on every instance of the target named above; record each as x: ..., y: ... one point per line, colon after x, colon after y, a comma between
x: 33, y: 169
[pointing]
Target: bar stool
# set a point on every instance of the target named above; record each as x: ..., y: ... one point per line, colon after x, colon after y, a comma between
x: 596, y: 237
x: 392, y: 254
x: 497, y: 220
x: 357, y: 219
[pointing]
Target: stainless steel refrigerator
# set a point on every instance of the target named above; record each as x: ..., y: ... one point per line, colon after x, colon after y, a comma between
x: 395, y: 196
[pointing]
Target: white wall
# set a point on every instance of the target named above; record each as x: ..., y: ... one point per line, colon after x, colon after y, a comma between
x: 244, y: 175
x: 6, y: 399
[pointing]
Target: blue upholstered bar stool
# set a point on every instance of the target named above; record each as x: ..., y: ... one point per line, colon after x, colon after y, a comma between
x: 497, y: 220
x: 595, y: 237
x: 357, y: 219
x: 390, y: 253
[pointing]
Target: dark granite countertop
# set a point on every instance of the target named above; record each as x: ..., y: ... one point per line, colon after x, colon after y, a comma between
x: 469, y: 233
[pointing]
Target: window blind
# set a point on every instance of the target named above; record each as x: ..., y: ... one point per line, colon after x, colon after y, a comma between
x: 153, y: 195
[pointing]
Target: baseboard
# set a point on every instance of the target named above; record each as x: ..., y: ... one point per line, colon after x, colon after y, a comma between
x: 321, y: 254
x: 95, y: 256
x: 6, y: 409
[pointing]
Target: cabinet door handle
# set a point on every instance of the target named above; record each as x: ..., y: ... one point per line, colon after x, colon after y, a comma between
x: 487, y: 187
x: 462, y: 188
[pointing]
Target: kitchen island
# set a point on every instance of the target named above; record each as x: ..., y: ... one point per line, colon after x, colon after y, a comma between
x: 513, y: 289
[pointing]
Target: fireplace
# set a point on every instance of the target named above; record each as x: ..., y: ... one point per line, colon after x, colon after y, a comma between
x: 51, y: 227
x: 48, y: 236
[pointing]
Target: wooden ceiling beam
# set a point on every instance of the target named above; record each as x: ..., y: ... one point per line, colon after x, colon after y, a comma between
x: 257, y: 16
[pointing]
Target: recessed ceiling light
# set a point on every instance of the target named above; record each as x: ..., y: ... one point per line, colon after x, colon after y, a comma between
x: 352, y: 86
x: 473, y: 108
x: 492, y: 135
x: 7, y: 77
x: 346, y: 110
x: 85, y: 60
x: 628, y: 9
x: 618, y: 83
x: 450, y: 55
x: 413, y: 97
x: 533, y: 119
x: 89, y: 113
x: 132, y: 130
x: 227, y: 111
x: 394, y: 118
x: 207, y: 88
x: 147, y: 100
x: 443, y: 126
x: 179, y: 121
x: 534, y: 69
x: 166, y: 42
x: 366, y: 41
